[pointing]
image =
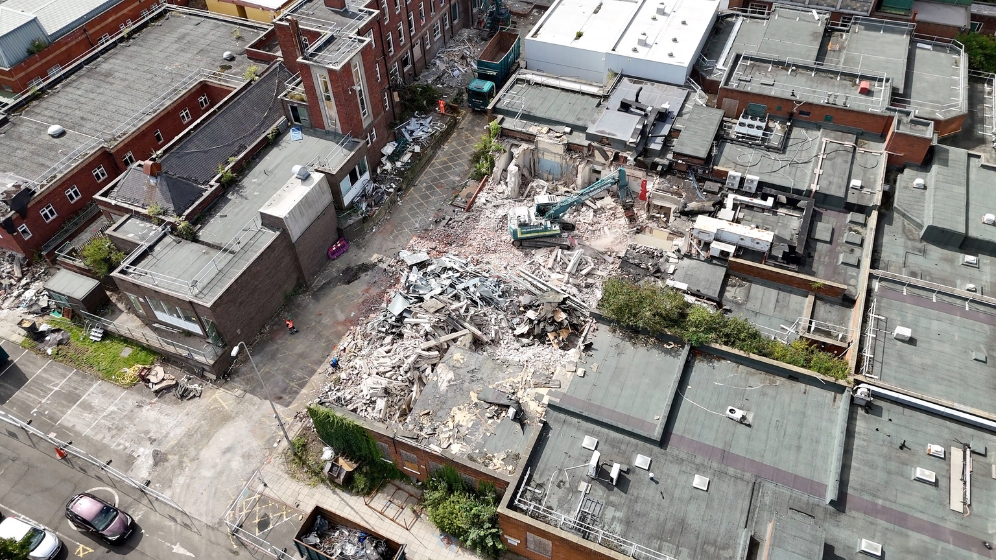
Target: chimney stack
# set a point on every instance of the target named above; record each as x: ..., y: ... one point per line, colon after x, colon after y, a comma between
x: 336, y: 4
x: 152, y: 168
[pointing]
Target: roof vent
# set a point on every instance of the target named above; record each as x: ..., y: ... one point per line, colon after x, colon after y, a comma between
x: 589, y: 443
x: 661, y: 9
x: 902, y: 334
x: 634, y: 49
x: 642, y: 462
x: 674, y: 39
x: 229, y: 56
x: 870, y: 548
x: 670, y: 54
x: 300, y: 171
x: 855, y: 183
x: 971, y: 260
x: 923, y: 475
x: 614, y: 473
x: 988, y: 219
x: 701, y: 482
x: 737, y: 415
x: 935, y: 450
x: 683, y: 22
x: 56, y: 131
x: 919, y: 183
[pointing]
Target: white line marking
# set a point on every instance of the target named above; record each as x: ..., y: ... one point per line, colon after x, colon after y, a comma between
x: 60, y: 535
x: 111, y: 490
x: 12, y: 362
x: 92, y: 387
x: 110, y: 408
x: 57, y: 387
x: 36, y: 373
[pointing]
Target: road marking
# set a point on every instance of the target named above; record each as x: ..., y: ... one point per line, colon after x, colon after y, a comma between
x: 180, y: 550
x: 57, y: 387
x: 217, y: 397
x: 83, y: 550
x: 113, y: 493
x: 109, y: 409
x: 36, y: 374
x: 12, y: 362
x: 94, y: 386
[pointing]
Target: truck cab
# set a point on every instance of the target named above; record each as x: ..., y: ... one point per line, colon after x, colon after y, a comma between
x: 480, y: 93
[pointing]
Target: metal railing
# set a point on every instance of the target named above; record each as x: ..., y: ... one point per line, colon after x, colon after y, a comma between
x: 238, y: 512
x: 67, y: 447
x: 589, y: 532
x: 69, y: 228
x: 206, y: 355
x: 822, y: 328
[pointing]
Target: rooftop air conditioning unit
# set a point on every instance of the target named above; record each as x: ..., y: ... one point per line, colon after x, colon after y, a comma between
x: 855, y: 183
x: 870, y: 548
x: 923, y: 475
x: 989, y: 219
x: 750, y: 183
x: 736, y: 414
x: 733, y: 180
x: 902, y: 334
x: 862, y: 396
x: 935, y: 450
x: 593, y: 464
x: 919, y: 183
x: 614, y: 473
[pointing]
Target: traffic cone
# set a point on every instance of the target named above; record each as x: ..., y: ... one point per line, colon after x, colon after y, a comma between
x: 60, y: 453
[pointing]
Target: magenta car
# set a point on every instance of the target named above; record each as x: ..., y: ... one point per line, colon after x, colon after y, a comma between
x: 87, y: 512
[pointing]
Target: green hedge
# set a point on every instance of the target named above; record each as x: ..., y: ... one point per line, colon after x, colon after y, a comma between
x: 467, y: 515
x: 665, y: 311
x: 352, y: 440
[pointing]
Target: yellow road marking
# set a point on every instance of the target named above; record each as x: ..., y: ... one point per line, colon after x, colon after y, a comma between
x: 82, y: 550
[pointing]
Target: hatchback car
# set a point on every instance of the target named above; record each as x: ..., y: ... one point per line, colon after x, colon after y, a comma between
x: 42, y: 543
x: 87, y: 512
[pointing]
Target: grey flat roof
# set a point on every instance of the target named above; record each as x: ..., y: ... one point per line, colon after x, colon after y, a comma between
x: 789, y: 169
x: 826, y: 255
x: 785, y: 33
x: 699, y: 128
x: 945, y: 334
x: 937, y: 85
x: 875, y: 45
x: 269, y: 172
x: 134, y: 229
x: 549, y: 105
x: 175, y: 265
x: 764, y: 303
x: 113, y: 90
x: 943, y: 13
x: 704, y: 278
x: 71, y: 284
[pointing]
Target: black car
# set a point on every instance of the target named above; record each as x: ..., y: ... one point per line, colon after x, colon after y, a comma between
x: 87, y: 512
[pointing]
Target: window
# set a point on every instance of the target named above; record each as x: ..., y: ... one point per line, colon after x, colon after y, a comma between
x: 387, y: 13
x: 184, y: 115
x: 778, y: 108
x: 455, y: 11
x: 361, y: 94
x: 390, y: 44
x: 136, y: 303
x: 757, y: 9
x: 174, y: 315
x: 373, y: 134
x: 55, y: 70
x: 7, y: 88
x: 976, y: 26
x: 417, y: 49
x: 397, y: 6
x: 409, y: 461
x: 828, y: 118
x: 203, y: 101
x: 48, y: 213
x: 432, y: 8
x: 395, y: 73
x: 406, y: 61
x: 437, y: 30
x: 421, y: 11
x: 387, y: 101
x: 128, y: 159
x: 370, y: 35
x: 99, y: 174
x: 326, y: 91
x: 428, y: 43
x: 369, y: 141
x: 411, y: 24
x: 145, y: 13
x: 24, y: 231
x: 401, y: 34
x: 539, y: 545
x: 35, y: 82
x: 158, y: 135
x: 73, y: 194
x: 377, y: 66
x: 804, y: 113
x: 304, y: 42
x: 446, y: 20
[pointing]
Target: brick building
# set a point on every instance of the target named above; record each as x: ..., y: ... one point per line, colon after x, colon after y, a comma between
x: 58, y: 150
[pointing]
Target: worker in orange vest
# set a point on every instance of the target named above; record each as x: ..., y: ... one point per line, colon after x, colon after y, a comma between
x: 290, y: 326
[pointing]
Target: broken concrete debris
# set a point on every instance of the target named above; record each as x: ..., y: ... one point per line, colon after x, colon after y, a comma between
x: 340, y: 542
x: 413, y: 136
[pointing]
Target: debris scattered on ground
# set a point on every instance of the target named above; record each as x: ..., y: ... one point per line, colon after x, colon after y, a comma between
x: 414, y: 135
x: 186, y: 389
x: 337, y: 541
x: 157, y: 379
x: 456, y: 63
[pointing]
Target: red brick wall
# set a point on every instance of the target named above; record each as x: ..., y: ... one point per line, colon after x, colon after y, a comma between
x: 870, y: 122
x: 787, y: 278
x: 905, y: 148
x: 73, y: 44
x: 949, y: 126
x: 565, y: 546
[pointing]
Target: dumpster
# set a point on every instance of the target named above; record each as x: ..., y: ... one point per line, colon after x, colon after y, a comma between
x: 326, y: 535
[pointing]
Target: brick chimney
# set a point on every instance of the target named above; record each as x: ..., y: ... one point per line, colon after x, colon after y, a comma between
x: 336, y: 4
x: 289, y: 39
x: 152, y: 168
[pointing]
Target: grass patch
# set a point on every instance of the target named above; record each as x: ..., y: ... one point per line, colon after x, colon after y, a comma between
x: 664, y: 311
x: 304, y: 458
x: 102, y: 358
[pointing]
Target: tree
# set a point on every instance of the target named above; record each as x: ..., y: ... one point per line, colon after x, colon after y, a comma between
x: 981, y: 50
x: 101, y: 256
x: 14, y: 550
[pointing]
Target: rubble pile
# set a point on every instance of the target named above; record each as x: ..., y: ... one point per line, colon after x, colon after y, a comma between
x: 343, y: 543
x: 455, y: 64
x: 413, y: 136
x: 441, y: 302
x: 23, y: 286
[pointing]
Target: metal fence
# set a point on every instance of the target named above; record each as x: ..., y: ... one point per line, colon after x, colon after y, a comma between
x: 206, y: 355
x: 78, y: 453
x: 238, y: 512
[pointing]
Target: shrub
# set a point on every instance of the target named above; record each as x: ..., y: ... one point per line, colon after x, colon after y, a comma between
x: 156, y: 212
x: 252, y: 73
x: 485, y: 151
x: 101, y: 256
x: 981, y: 50
x: 15, y: 550
x: 226, y: 177
x: 37, y: 46
x: 185, y: 230
x: 470, y: 517
x: 354, y: 442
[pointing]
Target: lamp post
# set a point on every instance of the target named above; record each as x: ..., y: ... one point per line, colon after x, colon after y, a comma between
x: 235, y: 353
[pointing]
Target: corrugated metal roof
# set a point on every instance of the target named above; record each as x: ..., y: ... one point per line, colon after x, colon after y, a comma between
x: 58, y: 17
x: 12, y: 19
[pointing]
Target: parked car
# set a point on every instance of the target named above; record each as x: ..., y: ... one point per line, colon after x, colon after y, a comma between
x: 87, y: 512
x: 43, y: 544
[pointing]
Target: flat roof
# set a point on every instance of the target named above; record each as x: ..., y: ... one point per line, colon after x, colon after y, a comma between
x: 195, y: 270
x: 699, y: 126
x: 943, y: 13
x: 874, y: 45
x: 549, y: 104
x: 269, y: 173
x: 936, y: 87
x: 950, y: 336
x: 111, y: 96
x: 668, y: 32
x: 765, y: 304
x: 790, y: 168
x: 71, y: 284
